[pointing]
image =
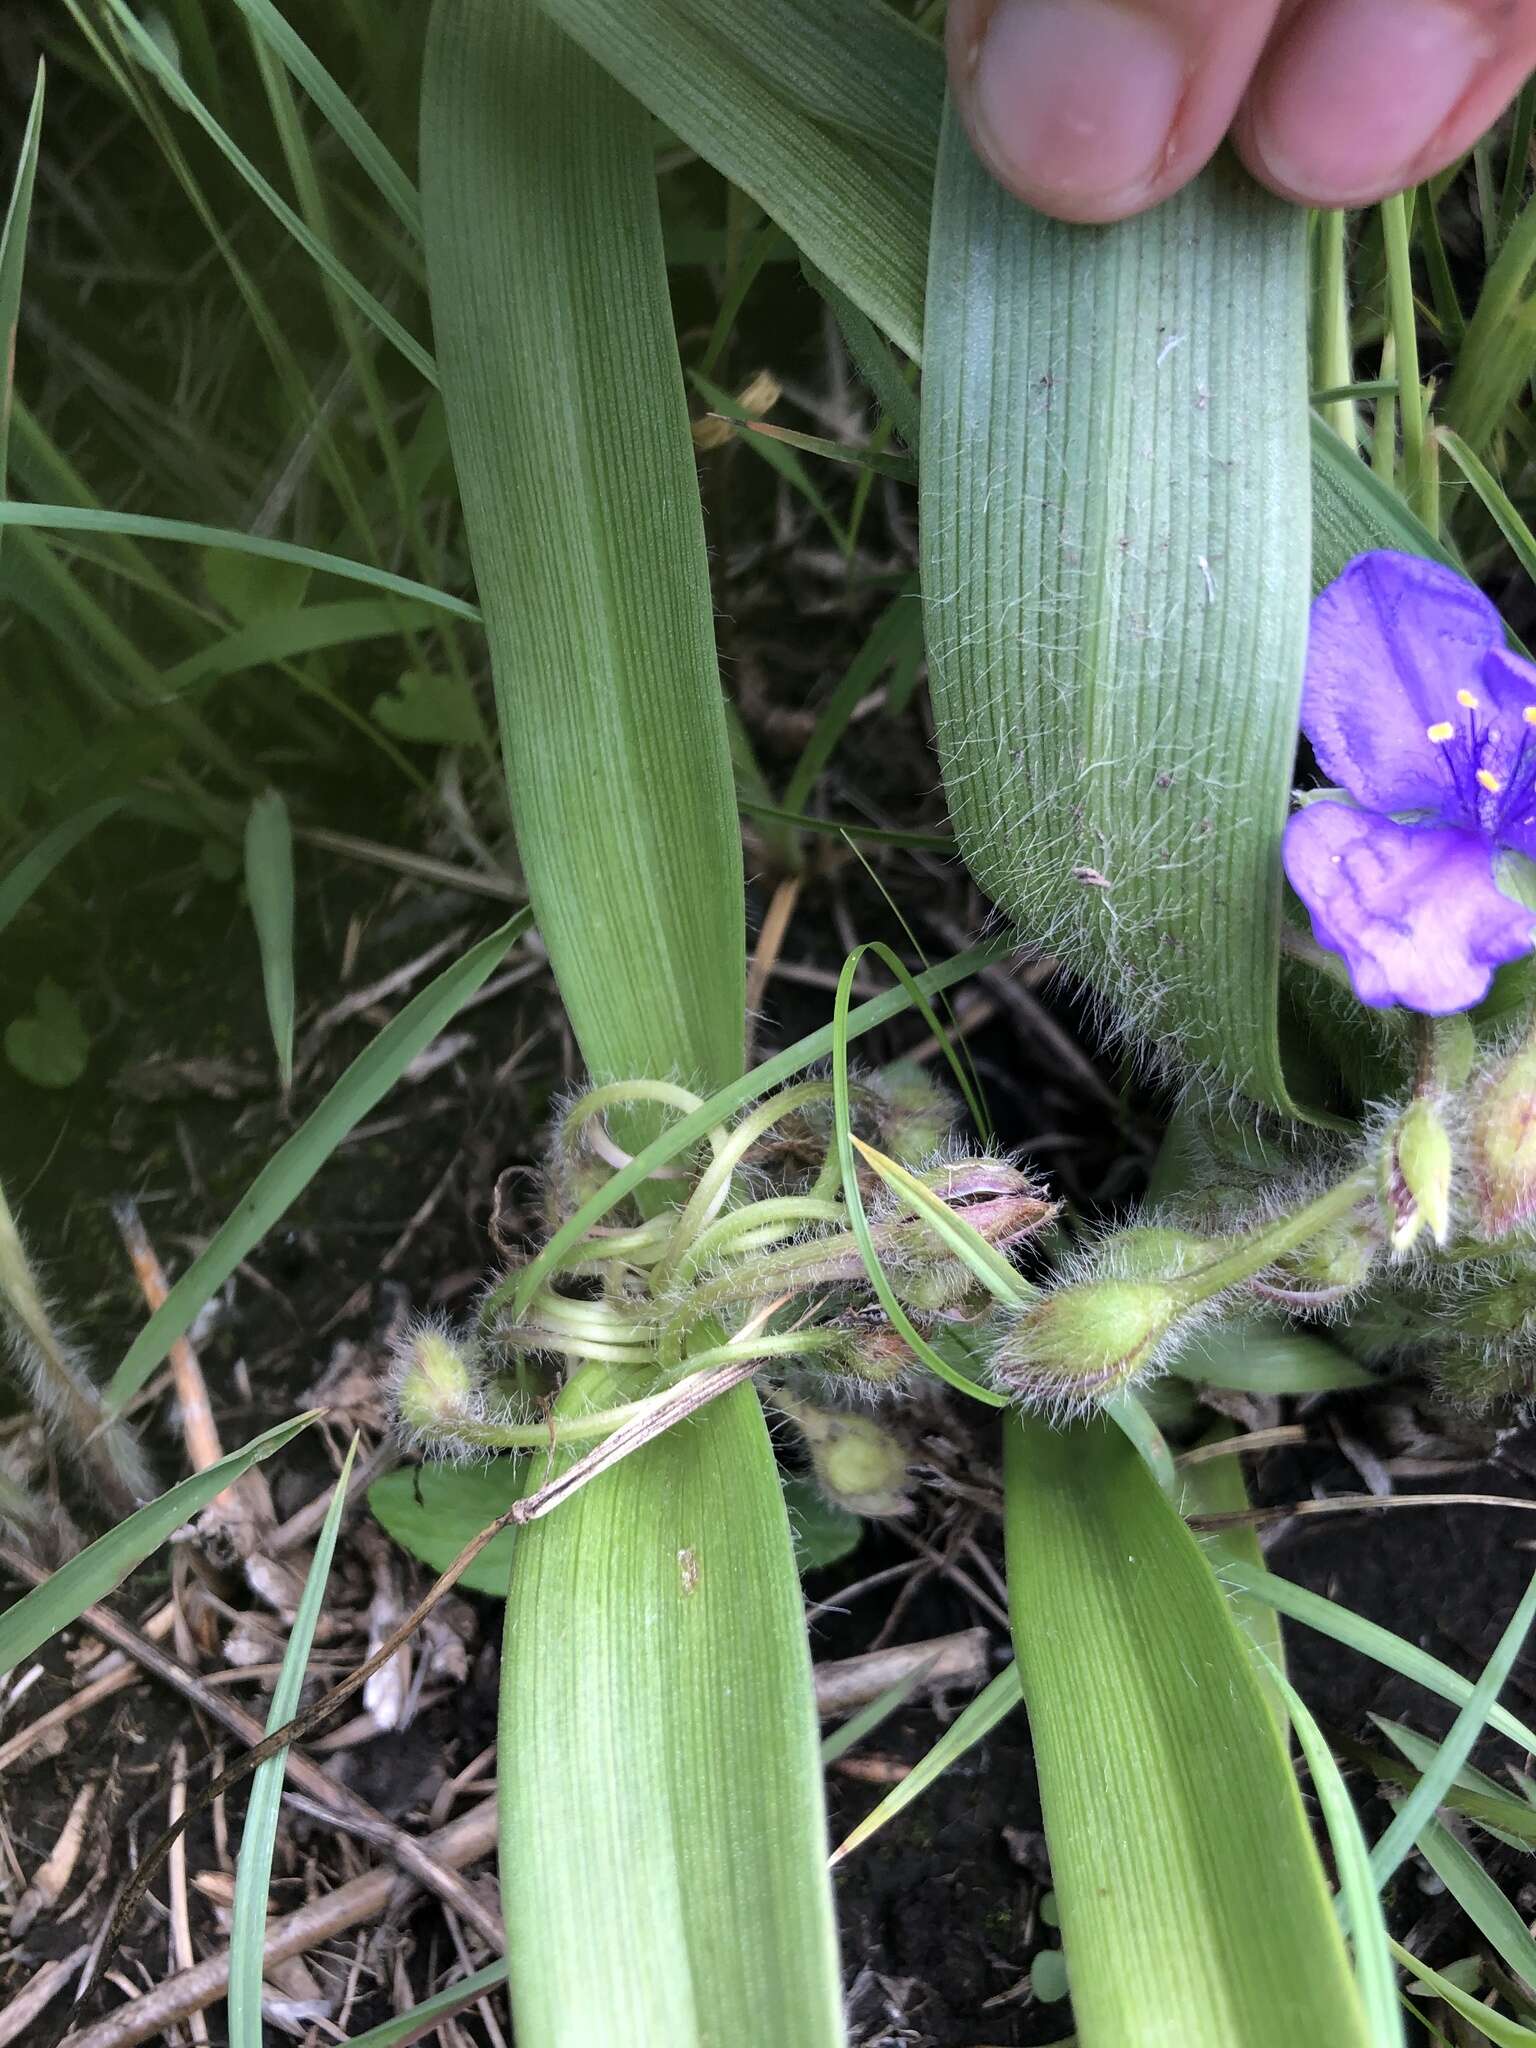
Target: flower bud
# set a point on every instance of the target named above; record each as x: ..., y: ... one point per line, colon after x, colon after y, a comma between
x: 1336, y: 1262
x: 1503, y: 1146
x: 913, y: 1113
x: 1087, y: 1343
x: 870, y: 1350
x: 859, y: 1464
x: 435, y: 1388
x: 1416, y: 1176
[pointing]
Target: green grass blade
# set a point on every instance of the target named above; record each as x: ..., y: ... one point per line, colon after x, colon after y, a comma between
x: 93, y: 1572
x: 1371, y: 1640
x: 1260, y: 1357
x: 1116, y: 649
x: 154, y: 59
x: 568, y: 422
x: 1494, y: 362
x: 1479, y: 1898
x: 253, y: 1866
x: 1436, y: 1781
x: 283, y: 636
x: 1357, y: 1888
x: 22, y: 880
x: 899, y: 624
x: 415, y: 2024
x: 370, y: 153
x: 290, y: 1170
x: 1164, y: 1783
x: 1493, y: 2026
x: 13, y: 253
x: 973, y: 1724
x: 1496, y: 500
x: 143, y: 526
x: 269, y: 886
x: 873, y: 358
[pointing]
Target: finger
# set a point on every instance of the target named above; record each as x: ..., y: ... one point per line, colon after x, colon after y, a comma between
x: 1358, y: 98
x: 1094, y: 109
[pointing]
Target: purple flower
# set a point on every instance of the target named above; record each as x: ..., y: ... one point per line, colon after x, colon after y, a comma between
x: 1416, y: 708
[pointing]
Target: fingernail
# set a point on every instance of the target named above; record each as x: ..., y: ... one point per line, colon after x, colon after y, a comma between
x: 1360, y: 90
x: 1074, y: 100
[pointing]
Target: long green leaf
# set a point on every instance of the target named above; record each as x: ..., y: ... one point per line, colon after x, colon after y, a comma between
x: 1479, y: 1898
x: 418, y: 2021
x: 1116, y: 637
x: 26, y: 875
x: 567, y: 419
x: 1370, y: 1639
x: 658, y: 1737
x: 93, y: 1572
x: 269, y: 886
x: 290, y: 1170
x: 253, y: 1867
x: 1164, y: 1783
x: 1493, y: 2026
x: 144, y: 526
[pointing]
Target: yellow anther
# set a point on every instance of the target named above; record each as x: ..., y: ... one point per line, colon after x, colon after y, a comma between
x: 1490, y: 782
x: 1466, y: 700
x: 1529, y: 714
x: 1445, y: 730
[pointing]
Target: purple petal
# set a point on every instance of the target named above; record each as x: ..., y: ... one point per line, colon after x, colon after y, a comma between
x: 1412, y: 908
x: 1507, y: 810
x: 1391, y: 642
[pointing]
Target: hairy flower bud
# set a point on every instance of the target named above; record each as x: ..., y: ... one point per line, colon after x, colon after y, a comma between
x: 1416, y: 1175
x: 869, y: 1350
x: 434, y: 1388
x: 1086, y: 1343
x: 859, y: 1464
x: 1502, y: 1146
x: 913, y: 1113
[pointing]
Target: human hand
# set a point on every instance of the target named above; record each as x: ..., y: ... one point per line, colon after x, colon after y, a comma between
x: 1095, y: 109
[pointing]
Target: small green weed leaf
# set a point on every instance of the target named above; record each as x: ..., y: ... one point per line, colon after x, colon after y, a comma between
x: 433, y: 710
x: 823, y: 1533
x: 1048, y: 1976
x: 50, y: 1045
x: 269, y: 884
x: 433, y: 1511
x: 252, y: 587
x: 93, y: 1572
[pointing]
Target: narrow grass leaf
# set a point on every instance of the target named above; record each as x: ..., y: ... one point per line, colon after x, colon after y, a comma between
x: 1357, y: 1888
x: 869, y: 1717
x: 418, y: 2021
x: 269, y: 887
x: 1493, y: 2026
x: 888, y: 639
x: 873, y: 358
x: 253, y: 1865
x: 1493, y: 364
x: 973, y: 1724
x: 370, y: 153
x: 1268, y: 1358
x: 283, y: 636
x: 290, y: 1170
x: 26, y: 875
x: 13, y: 252
x: 1480, y: 1899
x: 143, y: 526
x: 1329, y: 1618
x: 93, y: 1572
x: 1421, y: 1802
x: 1497, y: 502
x: 873, y: 460
x: 154, y: 59
x: 1163, y: 1780
x: 1116, y: 642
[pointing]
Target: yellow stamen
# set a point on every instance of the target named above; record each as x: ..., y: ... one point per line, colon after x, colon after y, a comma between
x: 1445, y: 730
x: 1466, y: 700
x: 1490, y: 782
x: 1529, y: 714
